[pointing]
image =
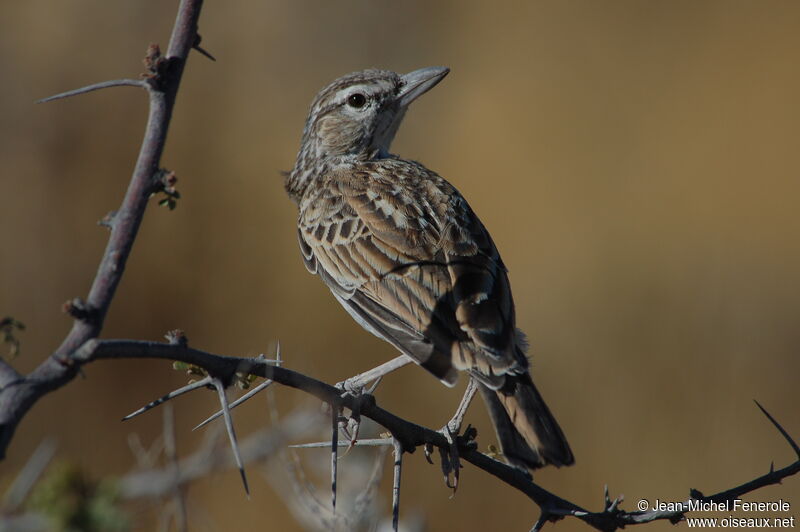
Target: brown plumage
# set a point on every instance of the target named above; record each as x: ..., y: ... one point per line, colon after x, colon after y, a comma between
x: 407, y: 257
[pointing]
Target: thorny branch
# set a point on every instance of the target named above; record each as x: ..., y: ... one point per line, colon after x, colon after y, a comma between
x: 409, y: 436
x: 18, y: 393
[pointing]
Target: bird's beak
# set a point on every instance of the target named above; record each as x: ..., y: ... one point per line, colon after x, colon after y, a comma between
x: 418, y: 82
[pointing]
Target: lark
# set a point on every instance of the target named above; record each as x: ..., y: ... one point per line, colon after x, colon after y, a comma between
x: 404, y: 253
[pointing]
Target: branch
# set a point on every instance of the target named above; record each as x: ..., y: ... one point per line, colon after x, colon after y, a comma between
x: 410, y: 436
x: 18, y: 395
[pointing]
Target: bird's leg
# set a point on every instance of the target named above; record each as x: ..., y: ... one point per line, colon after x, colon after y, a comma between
x: 454, y: 425
x: 449, y: 458
x: 357, y: 385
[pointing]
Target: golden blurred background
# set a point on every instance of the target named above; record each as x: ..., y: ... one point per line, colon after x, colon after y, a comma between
x: 635, y: 161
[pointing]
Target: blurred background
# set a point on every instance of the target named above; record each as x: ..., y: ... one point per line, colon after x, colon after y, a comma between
x: 635, y: 161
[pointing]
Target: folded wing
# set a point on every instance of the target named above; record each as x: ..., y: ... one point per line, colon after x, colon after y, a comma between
x: 410, y: 261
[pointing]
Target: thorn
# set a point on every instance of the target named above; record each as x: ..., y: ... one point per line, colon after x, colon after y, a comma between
x: 231, y: 432
x: 372, y: 442
x: 108, y: 220
x: 96, y: 86
x: 236, y: 403
x: 543, y: 518
x: 196, y: 46
x: 780, y: 429
x: 171, y: 395
x: 334, y: 452
x: 398, y: 468
x: 612, y: 508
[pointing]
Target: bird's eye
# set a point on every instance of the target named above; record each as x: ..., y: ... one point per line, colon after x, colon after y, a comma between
x: 356, y: 100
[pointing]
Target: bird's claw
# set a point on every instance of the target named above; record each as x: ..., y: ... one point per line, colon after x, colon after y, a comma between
x: 350, y: 425
x: 449, y: 456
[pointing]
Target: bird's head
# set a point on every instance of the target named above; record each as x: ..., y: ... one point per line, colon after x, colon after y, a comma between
x: 358, y: 114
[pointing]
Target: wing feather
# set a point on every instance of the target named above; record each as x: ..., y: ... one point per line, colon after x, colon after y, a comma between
x: 409, y: 260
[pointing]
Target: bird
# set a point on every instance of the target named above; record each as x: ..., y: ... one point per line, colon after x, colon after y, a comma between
x: 407, y: 257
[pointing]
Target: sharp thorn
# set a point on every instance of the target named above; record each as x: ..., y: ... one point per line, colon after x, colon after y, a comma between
x: 204, y: 52
x: 96, y: 86
x: 374, y: 442
x: 334, y: 452
x: 778, y: 426
x: 231, y: 432
x: 198, y: 39
x: 171, y: 395
x: 398, y: 469
x: 539, y: 522
x: 236, y: 403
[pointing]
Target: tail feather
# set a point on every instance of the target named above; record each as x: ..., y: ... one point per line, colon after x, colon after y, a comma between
x: 528, y: 433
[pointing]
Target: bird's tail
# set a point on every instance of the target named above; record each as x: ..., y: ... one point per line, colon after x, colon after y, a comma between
x: 528, y: 433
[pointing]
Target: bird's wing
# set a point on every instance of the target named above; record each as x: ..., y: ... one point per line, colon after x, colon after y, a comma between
x: 411, y: 263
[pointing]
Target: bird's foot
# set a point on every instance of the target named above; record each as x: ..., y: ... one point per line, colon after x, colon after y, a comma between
x: 350, y: 425
x: 449, y: 455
